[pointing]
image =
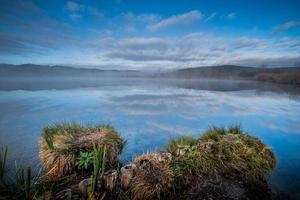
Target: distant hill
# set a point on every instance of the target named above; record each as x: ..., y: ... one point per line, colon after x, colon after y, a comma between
x: 31, y: 70
x: 289, y: 75
x: 279, y: 75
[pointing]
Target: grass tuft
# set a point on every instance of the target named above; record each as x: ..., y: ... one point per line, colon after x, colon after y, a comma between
x: 153, y: 177
x: 222, y: 150
x: 180, y: 142
x: 61, y: 144
x: 3, y: 157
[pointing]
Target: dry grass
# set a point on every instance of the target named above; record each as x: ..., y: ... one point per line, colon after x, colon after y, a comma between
x: 219, y: 153
x: 61, y: 144
x: 153, y: 177
x: 153, y: 157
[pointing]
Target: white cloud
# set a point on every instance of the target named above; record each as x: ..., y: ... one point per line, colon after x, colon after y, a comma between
x: 73, y: 6
x: 182, y: 19
x: 75, y: 16
x: 131, y: 20
x: 134, y: 55
x: 169, y: 128
x: 199, y: 49
x: 142, y: 43
x: 267, y: 60
x: 286, y: 26
x: 76, y: 10
x: 94, y: 12
x: 211, y: 16
x: 246, y: 42
x: 231, y: 15
x: 132, y: 17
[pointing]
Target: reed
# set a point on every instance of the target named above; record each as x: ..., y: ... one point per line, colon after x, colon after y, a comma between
x: 3, y: 157
x: 99, y: 165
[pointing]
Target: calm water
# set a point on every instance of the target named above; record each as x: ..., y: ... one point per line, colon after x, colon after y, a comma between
x: 149, y: 112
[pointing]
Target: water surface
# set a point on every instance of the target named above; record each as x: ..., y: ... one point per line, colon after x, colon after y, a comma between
x: 147, y: 112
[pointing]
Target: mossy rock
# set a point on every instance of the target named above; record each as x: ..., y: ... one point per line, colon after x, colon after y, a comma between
x: 60, y: 145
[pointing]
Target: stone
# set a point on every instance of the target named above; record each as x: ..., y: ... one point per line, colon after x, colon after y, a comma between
x: 181, y: 151
x: 165, y: 157
x: 83, y: 186
x: 109, y: 179
x: 127, y: 173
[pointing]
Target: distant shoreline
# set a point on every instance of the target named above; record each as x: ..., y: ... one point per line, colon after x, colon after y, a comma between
x: 283, y: 75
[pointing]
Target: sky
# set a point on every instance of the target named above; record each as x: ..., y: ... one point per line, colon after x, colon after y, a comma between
x: 150, y: 34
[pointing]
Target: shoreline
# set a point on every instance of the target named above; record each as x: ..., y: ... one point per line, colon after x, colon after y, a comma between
x: 186, y: 167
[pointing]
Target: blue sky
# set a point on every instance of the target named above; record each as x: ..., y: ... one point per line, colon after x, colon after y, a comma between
x: 142, y: 34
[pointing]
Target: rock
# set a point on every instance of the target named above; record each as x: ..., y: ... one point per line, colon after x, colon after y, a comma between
x: 181, y: 151
x: 83, y: 186
x: 206, y: 145
x: 165, y: 157
x: 109, y: 179
x: 127, y: 173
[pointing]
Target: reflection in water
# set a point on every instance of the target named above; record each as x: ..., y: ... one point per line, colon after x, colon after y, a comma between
x: 149, y: 112
x: 203, y: 84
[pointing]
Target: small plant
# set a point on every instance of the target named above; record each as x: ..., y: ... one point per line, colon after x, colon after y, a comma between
x: 235, y: 129
x: 214, y: 133
x: 22, y: 182
x: 3, y: 156
x: 99, y: 162
x: 84, y: 160
x: 180, y: 142
x: 28, y: 184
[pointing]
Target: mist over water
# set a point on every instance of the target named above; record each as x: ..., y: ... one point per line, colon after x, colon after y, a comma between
x: 147, y: 112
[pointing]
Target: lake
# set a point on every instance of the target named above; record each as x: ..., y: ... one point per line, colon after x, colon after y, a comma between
x: 147, y: 112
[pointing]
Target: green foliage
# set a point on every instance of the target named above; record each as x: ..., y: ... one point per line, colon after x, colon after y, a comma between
x: 180, y: 142
x: 84, y: 160
x: 59, y: 128
x: 28, y: 184
x: 214, y: 133
x: 22, y: 185
x: 3, y: 157
x: 194, y: 161
x: 222, y: 150
x: 99, y: 163
x: 185, y: 164
x: 235, y: 129
x: 42, y: 186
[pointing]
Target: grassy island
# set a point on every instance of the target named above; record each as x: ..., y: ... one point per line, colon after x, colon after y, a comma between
x: 82, y: 162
